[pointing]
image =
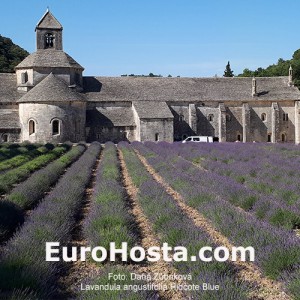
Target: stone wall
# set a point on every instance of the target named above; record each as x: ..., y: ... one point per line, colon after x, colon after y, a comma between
x: 243, y: 120
x: 182, y: 116
x: 287, y: 127
x: 234, y: 121
x: 297, y: 122
x: 71, y: 116
x: 208, y: 120
x: 256, y: 121
x: 261, y: 128
x: 156, y: 130
x: 137, y: 121
x: 114, y: 134
x: 100, y: 128
x: 66, y: 74
x: 13, y: 135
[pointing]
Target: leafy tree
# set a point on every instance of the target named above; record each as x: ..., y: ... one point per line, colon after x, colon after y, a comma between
x: 228, y: 72
x: 281, y: 68
x: 10, y: 55
x: 296, y: 55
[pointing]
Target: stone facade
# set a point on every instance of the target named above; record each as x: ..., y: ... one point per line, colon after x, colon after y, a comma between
x: 49, y: 100
x: 68, y: 115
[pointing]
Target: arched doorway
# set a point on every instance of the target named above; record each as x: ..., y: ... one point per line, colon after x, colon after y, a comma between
x: 283, y: 137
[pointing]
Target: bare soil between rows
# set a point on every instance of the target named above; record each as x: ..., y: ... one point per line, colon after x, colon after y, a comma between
x: 149, y: 238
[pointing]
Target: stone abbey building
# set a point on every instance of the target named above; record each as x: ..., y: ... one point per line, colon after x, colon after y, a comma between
x: 49, y: 100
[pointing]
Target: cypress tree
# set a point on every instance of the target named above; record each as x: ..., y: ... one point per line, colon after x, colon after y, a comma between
x: 228, y: 72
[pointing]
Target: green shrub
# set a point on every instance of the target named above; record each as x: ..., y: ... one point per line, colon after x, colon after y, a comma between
x: 280, y: 261
x: 285, y: 218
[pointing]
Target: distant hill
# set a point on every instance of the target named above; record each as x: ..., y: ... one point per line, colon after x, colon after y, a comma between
x: 279, y: 69
x: 10, y: 55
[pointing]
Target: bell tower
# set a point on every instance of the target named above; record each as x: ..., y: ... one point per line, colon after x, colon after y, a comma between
x: 49, y: 58
x: 49, y: 33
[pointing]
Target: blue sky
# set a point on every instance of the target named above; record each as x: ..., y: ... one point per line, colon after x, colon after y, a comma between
x: 193, y: 38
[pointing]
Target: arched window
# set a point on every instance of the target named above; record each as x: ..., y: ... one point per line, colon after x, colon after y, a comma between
x: 49, y: 40
x: 31, y: 126
x: 210, y: 117
x: 283, y: 137
x: 238, y: 138
x: 181, y: 118
x: 269, y: 137
x: 263, y: 117
x: 55, y: 127
x: 5, y: 137
x: 156, y: 137
x: 228, y: 117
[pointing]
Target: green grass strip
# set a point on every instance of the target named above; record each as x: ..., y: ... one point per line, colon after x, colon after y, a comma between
x: 34, y: 187
x: 19, y: 174
x: 23, y: 158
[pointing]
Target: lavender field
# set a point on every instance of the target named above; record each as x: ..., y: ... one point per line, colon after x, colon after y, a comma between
x: 146, y: 194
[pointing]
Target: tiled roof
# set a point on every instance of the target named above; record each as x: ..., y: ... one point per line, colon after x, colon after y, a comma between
x: 152, y: 110
x: 111, y: 116
x: 51, y: 89
x: 8, y: 88
x: 49, y: 58
x: 169, y: 89
x: 48, y: 21
x: 9, y: 118
x: 188, y: 89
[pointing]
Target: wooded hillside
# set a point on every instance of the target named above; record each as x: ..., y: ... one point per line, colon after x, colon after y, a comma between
x: 10, y: 55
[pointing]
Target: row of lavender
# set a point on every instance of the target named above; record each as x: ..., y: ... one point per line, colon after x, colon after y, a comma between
x: 269, y: 169
x: 23, y: 268
x: 109, y: 221
x: 18, y: 174
x: 277, y: 250
x: 175, y: 228
x: 245, y: 189
x: 12, y: 155
x: 27, y: 194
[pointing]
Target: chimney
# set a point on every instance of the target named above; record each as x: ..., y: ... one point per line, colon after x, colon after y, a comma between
x: 254, y: 93
x: 290, y: 76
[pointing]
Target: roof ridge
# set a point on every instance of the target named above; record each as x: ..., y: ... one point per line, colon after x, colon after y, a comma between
x: 179, y: 78
x: 49, y: 88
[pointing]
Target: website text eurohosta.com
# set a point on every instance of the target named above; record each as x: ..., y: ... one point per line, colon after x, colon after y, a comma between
x: 54, y: 252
